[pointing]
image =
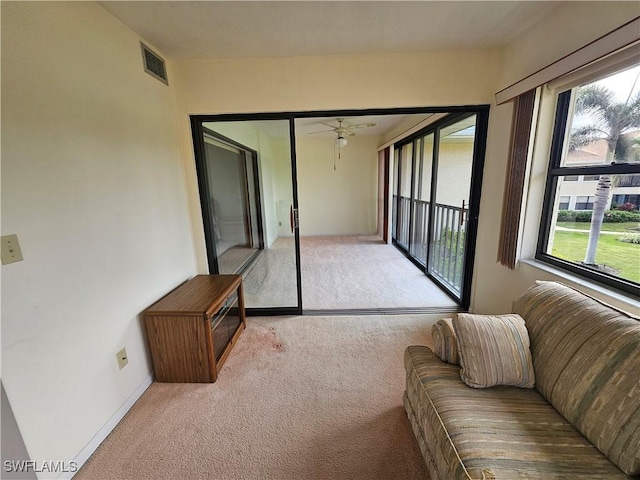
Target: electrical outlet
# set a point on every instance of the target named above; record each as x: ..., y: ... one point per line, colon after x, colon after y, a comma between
x: 122, y: 358
x: 11, y: 252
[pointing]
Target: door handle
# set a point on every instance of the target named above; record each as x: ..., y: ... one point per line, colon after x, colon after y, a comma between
x: 293, y: 218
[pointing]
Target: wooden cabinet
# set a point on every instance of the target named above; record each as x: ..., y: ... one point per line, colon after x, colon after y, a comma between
x: 192, y: 330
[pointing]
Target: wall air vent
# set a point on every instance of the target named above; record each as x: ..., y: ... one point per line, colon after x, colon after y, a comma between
x: 153, y: 64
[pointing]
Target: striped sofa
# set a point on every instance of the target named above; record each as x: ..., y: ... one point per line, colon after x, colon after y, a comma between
x: 581, y: 421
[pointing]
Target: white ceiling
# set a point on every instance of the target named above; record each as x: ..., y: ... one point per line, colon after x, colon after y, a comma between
x: 243, y: 29
x: 249, y: 29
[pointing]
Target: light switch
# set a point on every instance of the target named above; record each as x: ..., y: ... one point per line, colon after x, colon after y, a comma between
x: 10, y: 249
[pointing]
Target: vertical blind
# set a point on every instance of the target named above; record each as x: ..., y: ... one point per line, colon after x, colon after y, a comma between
x: 512, y: 201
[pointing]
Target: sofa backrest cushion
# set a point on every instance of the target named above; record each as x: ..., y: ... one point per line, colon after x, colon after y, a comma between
x: 445, y: 345
x: 586, y: 358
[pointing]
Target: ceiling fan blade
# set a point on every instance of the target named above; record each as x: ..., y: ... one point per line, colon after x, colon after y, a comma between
x: 320, y: 131
x: 363, y: 125
x: 328, y: 125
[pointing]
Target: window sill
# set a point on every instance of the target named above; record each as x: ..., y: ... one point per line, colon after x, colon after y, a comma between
x: 624, y: 301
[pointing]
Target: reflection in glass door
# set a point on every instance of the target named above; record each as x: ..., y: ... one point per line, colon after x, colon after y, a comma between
x: 438, y: 176
x: 247, y: 195
x: 405, y: 167
x: 422, y: 197
x: 233, y: 195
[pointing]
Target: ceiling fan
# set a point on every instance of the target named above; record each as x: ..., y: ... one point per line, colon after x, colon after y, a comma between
x: 343, y: 130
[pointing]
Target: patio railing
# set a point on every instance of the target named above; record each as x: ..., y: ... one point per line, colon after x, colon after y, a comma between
x: 446, y: 260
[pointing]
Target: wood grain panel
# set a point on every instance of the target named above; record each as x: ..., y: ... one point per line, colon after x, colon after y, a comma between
x: 179, y: 328
x: 178, y: 347
x: 203, y: 293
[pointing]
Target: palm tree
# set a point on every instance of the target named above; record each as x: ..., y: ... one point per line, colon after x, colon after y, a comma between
x: 610, y: 120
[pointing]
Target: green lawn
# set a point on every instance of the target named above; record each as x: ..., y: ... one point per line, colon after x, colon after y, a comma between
x: 624, y: 257
x: 606, y: 227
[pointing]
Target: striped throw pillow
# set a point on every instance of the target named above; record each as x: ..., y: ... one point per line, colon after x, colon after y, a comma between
x: 445, y: 345
x: 493, y: 350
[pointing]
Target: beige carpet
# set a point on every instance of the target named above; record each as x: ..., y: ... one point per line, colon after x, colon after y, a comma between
x: 271, y: 280
x: 362, y: 272
x: 341, y: 273
x: 299, y: 398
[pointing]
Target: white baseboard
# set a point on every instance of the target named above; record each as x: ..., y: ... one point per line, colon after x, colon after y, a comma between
x: 106, y: 429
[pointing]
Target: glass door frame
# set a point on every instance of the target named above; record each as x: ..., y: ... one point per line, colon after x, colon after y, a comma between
x: 197, y: 132
x: 196, y: 122
x: 479, y: 147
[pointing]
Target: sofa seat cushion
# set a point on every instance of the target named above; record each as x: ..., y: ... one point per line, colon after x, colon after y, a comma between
x: 503, y: 432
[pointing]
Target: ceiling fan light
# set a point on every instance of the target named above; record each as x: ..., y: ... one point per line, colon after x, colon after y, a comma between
x: 341, y: 141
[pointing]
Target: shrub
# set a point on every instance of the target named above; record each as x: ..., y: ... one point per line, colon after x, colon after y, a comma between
x: 627, y: 207
x: 621, y: 216
x: 610, y: 216
x: 451, y: 237
x: 631, y: 238
x: 574, y: 216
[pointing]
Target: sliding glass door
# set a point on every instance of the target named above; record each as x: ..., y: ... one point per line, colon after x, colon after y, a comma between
x: 246, y: 168
x: 246, y: 178
x: 452, y: 197
x: 233, y: 194
x: 438, y: 174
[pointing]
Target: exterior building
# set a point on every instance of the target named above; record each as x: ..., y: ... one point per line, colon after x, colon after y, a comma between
x: 577, y: 192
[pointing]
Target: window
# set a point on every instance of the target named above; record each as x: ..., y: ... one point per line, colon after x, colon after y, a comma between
x: 585, y: 202
x: 565, y: 200
x: 596, y: 139
x: 631, y: 180
x: 626, y: 202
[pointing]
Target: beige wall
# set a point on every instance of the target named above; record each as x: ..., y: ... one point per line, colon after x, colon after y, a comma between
x: 92, y: 183
x: 455, y: 160
x: 325, y: 83
x: 568, y: 27
x: 341, y: 201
